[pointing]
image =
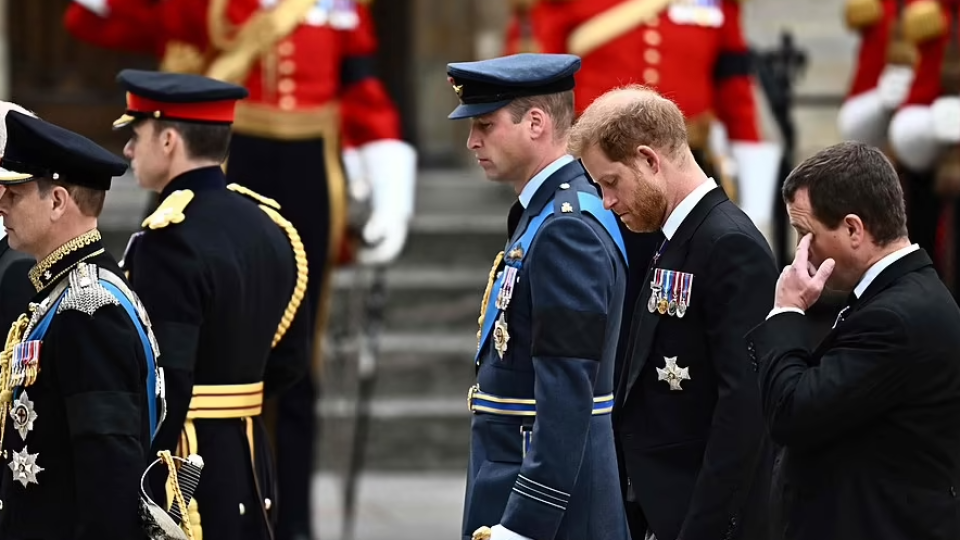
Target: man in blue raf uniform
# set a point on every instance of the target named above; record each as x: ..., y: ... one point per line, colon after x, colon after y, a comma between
x: 78, y: 382
x: 223, y: 276
x: 542, y: 459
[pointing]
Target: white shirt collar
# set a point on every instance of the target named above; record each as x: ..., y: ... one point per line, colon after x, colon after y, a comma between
x: 529, y: 190
x: 686, y: 206
x: 881, y: 265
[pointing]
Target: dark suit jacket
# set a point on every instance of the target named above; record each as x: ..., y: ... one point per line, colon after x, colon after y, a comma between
x: 698, y: 458
x: 15, y: 287
x: 870, y: 419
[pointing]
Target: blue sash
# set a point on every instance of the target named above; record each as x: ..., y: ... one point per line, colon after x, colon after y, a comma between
x: 588, y: 203
x: 41, y: 330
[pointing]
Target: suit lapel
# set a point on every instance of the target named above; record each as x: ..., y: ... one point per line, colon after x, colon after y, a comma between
x: 672, y: 258
x: 909, y: 263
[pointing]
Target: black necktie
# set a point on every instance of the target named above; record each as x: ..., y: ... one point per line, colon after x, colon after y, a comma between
x: 513, y: 219
x: 842, y: 316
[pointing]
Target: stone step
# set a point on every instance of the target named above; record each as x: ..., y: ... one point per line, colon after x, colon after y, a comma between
x: 418, y: 417
x: 402, y: 435
x: 428, y: 364
x: 425, y: 298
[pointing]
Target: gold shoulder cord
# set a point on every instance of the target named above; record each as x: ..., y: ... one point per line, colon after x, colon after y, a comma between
x: 486, y: 295
x: 14, y: 337
x: 300, y: 289
x: 270, y: 207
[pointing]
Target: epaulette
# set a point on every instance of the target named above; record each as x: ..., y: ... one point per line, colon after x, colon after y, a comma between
x: 300, y: 256
x: 923, y: 21
x: 170, y: 210
x: 860, y: 14
x: 237, y: 188
x: 85, y: 292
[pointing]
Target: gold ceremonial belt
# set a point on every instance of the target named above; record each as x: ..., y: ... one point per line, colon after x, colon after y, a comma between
x: 263, y: 120
x: 478, y: 401
x: 226, y: 401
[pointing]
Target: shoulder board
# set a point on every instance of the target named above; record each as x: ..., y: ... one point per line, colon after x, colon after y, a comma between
x: 85, y: 292
x: 247, y: 192
x: 861, y: 14
x: 923, y: 21
x: 170, y: 210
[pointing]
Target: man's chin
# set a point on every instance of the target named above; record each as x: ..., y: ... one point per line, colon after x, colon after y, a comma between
x: 635, y: 226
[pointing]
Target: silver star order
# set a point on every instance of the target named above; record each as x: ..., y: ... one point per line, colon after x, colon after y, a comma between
x: 672, y: 373
x: 23, y: 415
x: 25, y: 468
x: 47, y: 275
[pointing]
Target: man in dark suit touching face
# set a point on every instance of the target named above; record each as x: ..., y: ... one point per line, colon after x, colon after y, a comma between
x: 867, y: 419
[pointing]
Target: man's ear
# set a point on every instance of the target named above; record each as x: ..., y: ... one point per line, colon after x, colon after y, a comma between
x: 853, y: 227
x: 538, y: 122
x: 648, y: 158
x: 59, y: 199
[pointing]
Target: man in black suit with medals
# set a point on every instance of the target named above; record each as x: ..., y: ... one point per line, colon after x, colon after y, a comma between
x: 694, y: 457
x: 867, y: 419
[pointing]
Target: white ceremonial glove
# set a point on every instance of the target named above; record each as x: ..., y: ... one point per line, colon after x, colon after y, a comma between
x: 391, y: 168
x: 358, y: 186
x: 894, y: 85
x: 946, y: 119
x: 99, y: 7
x: 758, y: 180
x: 912, y: 138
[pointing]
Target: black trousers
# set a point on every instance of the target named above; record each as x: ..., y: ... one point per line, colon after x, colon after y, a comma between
x: 296, y: 175
x: 925, y: 211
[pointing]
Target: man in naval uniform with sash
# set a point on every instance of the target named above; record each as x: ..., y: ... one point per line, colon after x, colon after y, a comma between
x: 224, y: 276
x: 78, y: 379
x: 542, y: 459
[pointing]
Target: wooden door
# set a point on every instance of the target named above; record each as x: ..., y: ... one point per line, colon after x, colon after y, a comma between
x: 61, y: 79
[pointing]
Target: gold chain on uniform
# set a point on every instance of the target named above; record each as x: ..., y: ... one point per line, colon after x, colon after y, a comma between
x: 58, y: 254
x: 486, y: 295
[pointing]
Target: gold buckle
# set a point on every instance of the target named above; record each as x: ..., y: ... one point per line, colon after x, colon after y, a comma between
x: 470, y: 393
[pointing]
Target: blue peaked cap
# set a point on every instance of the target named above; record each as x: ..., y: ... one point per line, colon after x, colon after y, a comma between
x: 487, y: 85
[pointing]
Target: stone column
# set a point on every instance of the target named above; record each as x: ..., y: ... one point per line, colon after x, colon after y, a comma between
x: 4, y: 53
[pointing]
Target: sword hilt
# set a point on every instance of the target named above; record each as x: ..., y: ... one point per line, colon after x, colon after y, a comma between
x: 188, y: 477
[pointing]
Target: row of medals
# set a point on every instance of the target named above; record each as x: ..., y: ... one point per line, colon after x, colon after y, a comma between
x: 665, y: 305
x: 500, y: 333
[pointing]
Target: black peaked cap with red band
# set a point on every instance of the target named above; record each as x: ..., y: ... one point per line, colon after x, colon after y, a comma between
x: 177, y: 96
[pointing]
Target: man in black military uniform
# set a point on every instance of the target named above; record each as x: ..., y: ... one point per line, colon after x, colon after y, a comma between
x: 77, y: 374
x: 690, y: 432
x: 542, y: 461
x: 222, y: 275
